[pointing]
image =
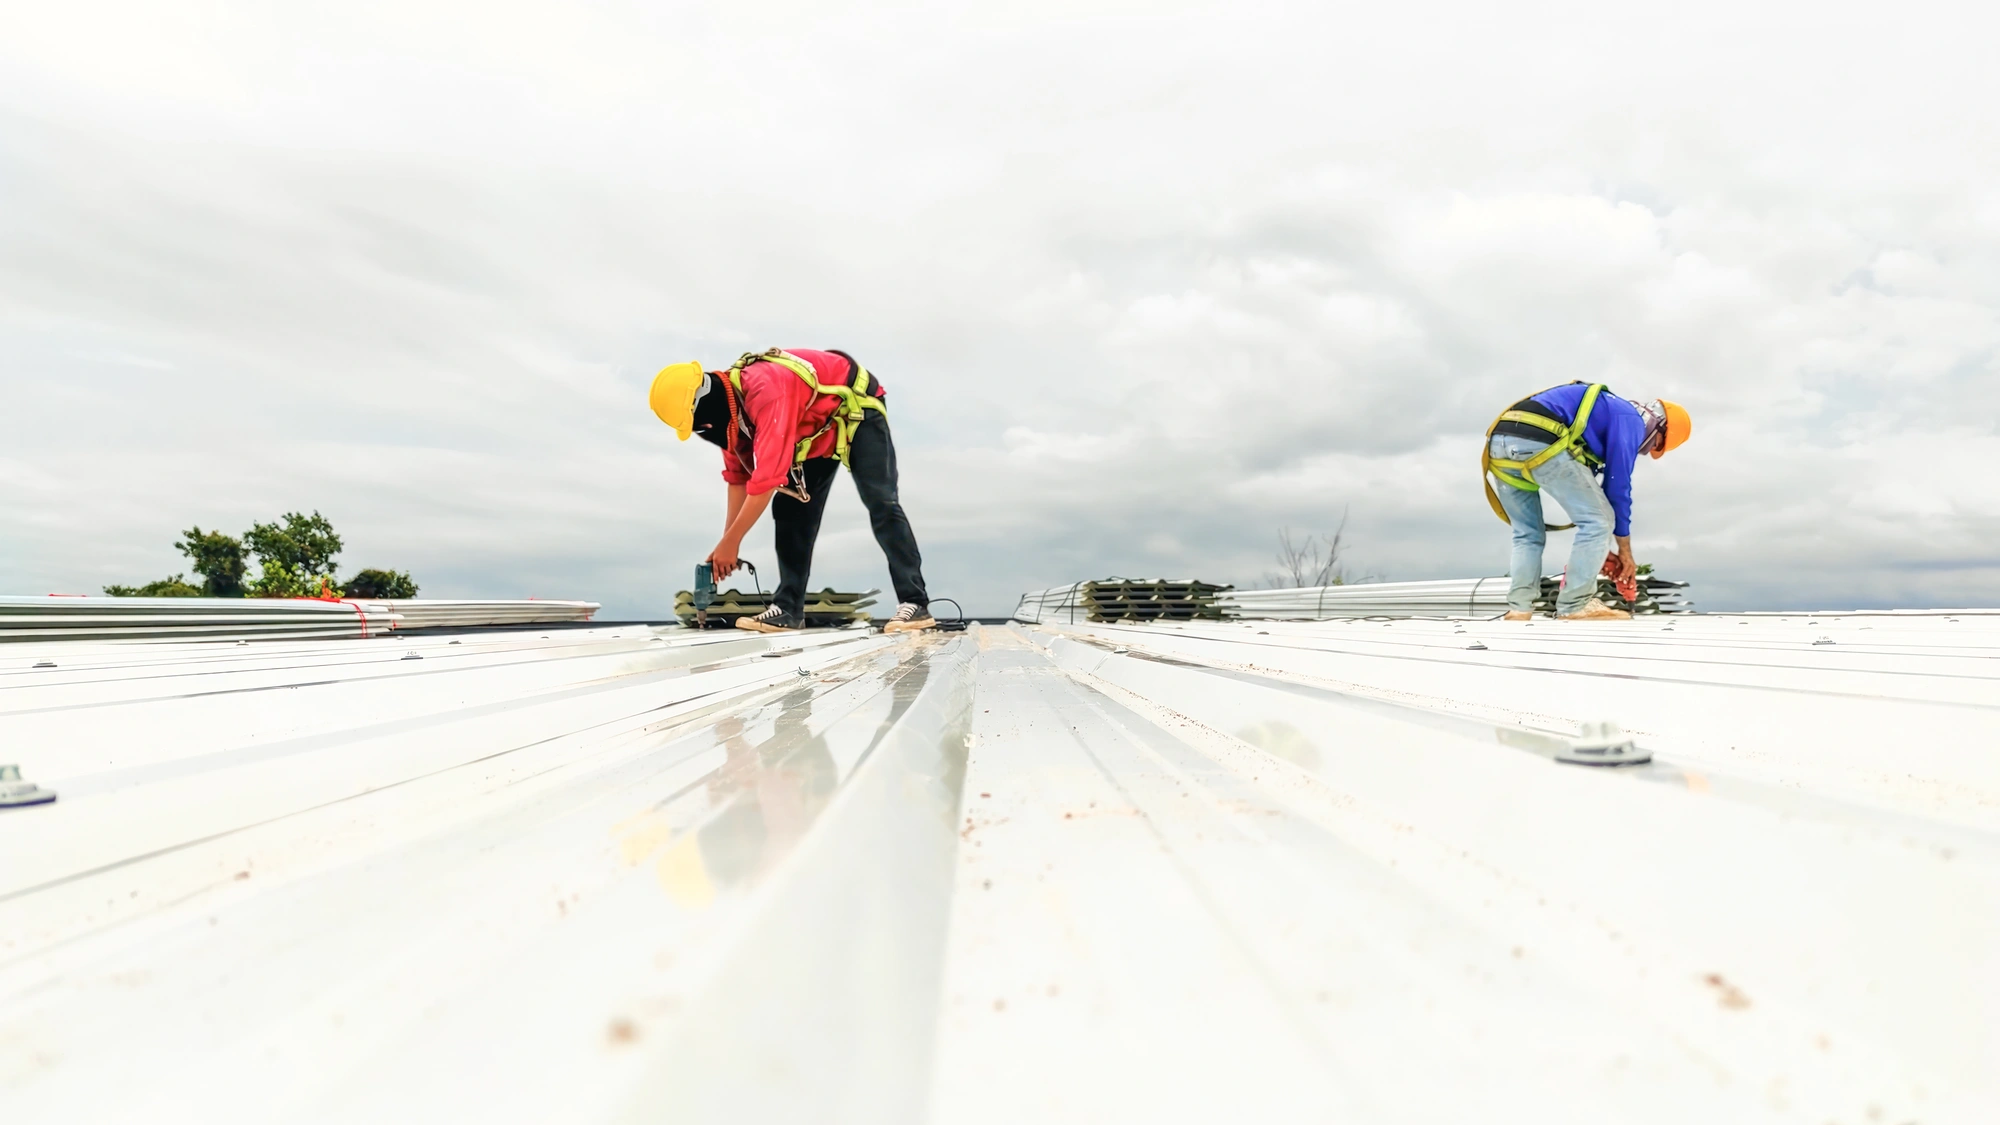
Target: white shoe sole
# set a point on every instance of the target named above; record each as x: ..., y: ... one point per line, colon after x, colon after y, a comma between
x: 755, y: 626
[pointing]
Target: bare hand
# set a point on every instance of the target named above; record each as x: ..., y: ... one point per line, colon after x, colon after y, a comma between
x: 1628, y: 567
x: 723, y: 559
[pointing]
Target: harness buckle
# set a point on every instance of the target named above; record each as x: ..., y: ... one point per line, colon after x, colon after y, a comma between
x: 795, y: 485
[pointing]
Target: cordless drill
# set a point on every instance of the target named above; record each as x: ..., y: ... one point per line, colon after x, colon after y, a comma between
x: 704, y: 590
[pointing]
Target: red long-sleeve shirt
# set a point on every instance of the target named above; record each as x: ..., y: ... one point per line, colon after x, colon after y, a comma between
x: 783, y: 411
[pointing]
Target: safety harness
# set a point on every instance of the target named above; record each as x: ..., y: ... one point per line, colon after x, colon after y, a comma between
x: 1521, y: 474
x: 862, y: 394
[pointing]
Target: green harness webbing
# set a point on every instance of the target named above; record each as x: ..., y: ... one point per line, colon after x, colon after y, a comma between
x: 843, y: 421
x: 1521, y: 474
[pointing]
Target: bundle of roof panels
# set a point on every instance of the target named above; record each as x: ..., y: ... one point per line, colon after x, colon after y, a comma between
x: 1055, y: 605
x: 827, y: 609
x: 1457, y: 597
x: 1123, y: 599
x: 1152, y: 599
x: 459, y: 613
x: 60, y: 618
x: 1452, y: 597
x: 1656, y: 595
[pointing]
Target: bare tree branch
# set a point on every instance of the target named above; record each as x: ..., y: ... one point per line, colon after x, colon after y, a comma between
x: 1312, y: 561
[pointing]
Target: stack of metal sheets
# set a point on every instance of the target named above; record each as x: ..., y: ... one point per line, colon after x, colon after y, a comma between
x: 1660, y: 595
x: 446, y: 613
x: 1458, y: 597
x: 827, y: 609
x: 1656, y: 595
x: 1452, y: 597
x: 1152, y: 599
x: 1057, y: 604
x: 1123, y: 599
x: 92, y: 618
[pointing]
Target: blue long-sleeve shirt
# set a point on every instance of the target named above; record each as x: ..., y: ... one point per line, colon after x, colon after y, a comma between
x: 1614, y: 433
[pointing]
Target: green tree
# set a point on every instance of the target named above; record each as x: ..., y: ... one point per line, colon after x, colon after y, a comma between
x: 218, y: 558
x: 381, y: 584
x: 295, y: 556
x: 175, y: 587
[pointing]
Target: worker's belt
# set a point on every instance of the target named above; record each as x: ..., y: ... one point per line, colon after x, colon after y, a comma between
x: 1507, y: 425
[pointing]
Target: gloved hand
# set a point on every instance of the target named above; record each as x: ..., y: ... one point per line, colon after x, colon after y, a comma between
x: 1627, y: 583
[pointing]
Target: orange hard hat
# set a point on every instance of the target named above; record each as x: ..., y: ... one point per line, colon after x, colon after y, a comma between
x: 1677, y: 429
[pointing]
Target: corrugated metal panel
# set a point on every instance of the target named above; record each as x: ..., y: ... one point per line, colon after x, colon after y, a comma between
x: 459, y: 613
x: 93, y: 618
x: 104, y: 619
x: 1201, y: 871
x: 1452, y: 597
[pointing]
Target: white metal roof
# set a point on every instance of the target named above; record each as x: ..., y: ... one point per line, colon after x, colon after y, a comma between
x: 1241, y: 871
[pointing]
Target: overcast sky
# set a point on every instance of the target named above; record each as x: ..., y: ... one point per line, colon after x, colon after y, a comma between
x: 1146, y: 281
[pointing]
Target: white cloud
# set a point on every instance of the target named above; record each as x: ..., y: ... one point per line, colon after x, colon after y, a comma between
x: 1146, y: 281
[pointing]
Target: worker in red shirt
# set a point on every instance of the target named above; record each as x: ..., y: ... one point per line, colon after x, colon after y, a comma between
x: 786, y: 420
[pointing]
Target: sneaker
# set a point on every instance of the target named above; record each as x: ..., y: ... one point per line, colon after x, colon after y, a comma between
x: 909, y: 618
x: 772, y: 620
x: 1518, y: 615
x: 1594, y: 610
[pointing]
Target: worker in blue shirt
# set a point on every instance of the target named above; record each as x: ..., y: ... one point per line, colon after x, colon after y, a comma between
x: 1558, y: 442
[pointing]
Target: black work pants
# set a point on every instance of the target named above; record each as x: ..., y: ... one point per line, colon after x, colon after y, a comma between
x: 872, y: 457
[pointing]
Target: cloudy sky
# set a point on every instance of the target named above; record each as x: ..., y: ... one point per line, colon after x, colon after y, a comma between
x: 1148, y: 281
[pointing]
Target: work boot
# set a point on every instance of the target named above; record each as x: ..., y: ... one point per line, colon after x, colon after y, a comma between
x: 909, y: 617
x: 1594, y: 610
x: 772, y: 620
x: 1519, y: 615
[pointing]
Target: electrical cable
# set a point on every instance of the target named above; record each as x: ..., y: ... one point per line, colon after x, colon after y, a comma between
x: 956, y: 624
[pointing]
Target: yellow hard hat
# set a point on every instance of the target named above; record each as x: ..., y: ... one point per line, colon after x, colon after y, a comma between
x: 1678, y: 427
x: 673, y: 394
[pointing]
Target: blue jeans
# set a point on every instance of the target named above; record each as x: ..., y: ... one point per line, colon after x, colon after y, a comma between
x: 1566, y: 480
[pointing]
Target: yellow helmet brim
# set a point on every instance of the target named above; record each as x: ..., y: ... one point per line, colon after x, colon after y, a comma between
x: 673, y: 394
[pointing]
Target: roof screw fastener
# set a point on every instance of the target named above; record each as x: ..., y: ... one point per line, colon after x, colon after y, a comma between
x: 1476, y: 645
x: 15, y: 792
x: 1824, y: 641
x: 411, y: 656
x: 45, y: 663
x: 1603, y: 744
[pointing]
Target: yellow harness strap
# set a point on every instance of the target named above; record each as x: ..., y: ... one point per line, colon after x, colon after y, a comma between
x: 1521, y: 474
x: 854, y: 399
